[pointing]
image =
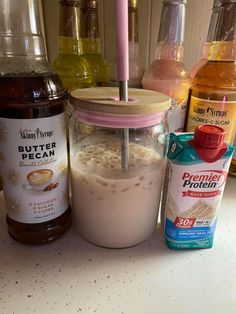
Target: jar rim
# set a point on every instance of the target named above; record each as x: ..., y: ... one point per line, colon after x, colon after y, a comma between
x: 119, y: 121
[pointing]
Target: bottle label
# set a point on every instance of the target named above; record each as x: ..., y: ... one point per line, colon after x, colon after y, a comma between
x: 219, y: 113
x: 33, y: 162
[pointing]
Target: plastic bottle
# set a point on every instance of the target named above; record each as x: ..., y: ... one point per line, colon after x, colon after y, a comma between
x: 91, y: 43
x: 73, y: 69
x: 167, y: 73
x: 32, y: 129
x: 211, y: 31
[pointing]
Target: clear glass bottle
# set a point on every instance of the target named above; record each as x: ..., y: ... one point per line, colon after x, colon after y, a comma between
x: 211, y: 32
x: 73, y: 69
x: 91, y: 43
x: 212, y: 97
x: 167, y: 73
x: 114, y: 206
x: 135, y: 68
x: 32, y: 129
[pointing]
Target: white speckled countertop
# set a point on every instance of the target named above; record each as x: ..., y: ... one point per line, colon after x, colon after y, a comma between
x: 71, y: 276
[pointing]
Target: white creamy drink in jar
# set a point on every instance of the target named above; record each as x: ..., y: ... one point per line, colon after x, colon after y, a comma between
x: 115, y: 208
x: 117, y: 162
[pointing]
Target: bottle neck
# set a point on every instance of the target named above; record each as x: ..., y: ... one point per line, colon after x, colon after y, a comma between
x: 89, y: 31
x: 169, y: 51
x: 69, y: 41
x: 224, y: 44
x: 213, y: 23
x: 222, y: 50
x: 226, y: 23
x: 133, y: 25
x: 171, y: 33
x: 206, y: 50
x: 133, y: 50
x: 20, y: 30
x: 172, y: 23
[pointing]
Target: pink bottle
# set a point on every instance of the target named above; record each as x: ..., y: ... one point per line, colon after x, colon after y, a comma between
x: 210, y: 37
x: 167, y: 73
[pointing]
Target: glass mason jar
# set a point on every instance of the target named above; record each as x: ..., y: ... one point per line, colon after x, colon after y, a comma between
x: 114, y: 206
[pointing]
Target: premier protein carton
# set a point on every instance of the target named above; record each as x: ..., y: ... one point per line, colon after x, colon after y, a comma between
x: 198, y: 168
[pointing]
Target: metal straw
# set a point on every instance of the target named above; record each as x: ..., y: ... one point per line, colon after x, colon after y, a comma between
x: 123, y: 94
x: 123, y: 70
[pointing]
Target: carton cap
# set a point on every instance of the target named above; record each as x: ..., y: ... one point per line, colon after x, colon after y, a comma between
x: 209, y: 136
x: 208, y: 142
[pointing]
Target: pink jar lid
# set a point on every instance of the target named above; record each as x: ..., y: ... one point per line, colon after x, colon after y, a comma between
x: 101, y: 107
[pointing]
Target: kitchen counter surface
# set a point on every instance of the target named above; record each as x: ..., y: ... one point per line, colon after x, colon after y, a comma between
x: 72, y: 276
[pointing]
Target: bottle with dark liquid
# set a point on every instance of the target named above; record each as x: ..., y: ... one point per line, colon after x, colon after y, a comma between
x: 33, y: 148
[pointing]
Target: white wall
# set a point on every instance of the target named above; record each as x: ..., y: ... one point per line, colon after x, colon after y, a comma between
x: 197, y: 22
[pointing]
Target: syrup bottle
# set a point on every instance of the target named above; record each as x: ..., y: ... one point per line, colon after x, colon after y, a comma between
x: 167, y: 73
x: 73, y: 69
x: 32, y: 129
x: 212, y: 97
x: 135, y: 68
x: 211, y: 32
x: 91, y: 43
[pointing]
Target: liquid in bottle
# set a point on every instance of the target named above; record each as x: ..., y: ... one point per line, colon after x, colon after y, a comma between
x: 167, y: 73
x: 72, y: 67
x: 212, y: 97
x: 32, y: 130
x: 91, y: 43
x: 211, y: 32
